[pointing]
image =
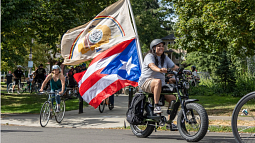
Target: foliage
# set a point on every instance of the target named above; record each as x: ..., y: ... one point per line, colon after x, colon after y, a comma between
x: 203, y: 61
x: 225, y: 71
x: 152, y: 21
x: 214, y: 26
x: 244, y: 84
x: 15, y: 32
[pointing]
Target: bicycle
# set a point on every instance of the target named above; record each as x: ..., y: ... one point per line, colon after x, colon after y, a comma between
x: 35, y: 87
x: 70, y: 92
x: 243, y: 119
x: 47, y: 111
x: 105, y: 103
x: 21, y: 88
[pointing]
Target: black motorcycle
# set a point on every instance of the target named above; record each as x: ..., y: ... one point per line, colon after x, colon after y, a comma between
x: 192, y: 120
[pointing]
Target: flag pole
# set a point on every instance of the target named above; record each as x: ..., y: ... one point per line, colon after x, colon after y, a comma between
x: 137, y: 38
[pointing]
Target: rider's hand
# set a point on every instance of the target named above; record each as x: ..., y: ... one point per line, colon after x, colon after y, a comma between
x: 163, y: 70
x: 61, y: 92
x: 41, y: 90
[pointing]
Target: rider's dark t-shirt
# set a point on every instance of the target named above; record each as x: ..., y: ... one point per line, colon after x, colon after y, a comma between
x: 9, y: 78
x: 18, y: 73
x: 40, y: 73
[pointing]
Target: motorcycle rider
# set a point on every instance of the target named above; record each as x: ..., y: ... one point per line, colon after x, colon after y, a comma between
x: 154, y: 68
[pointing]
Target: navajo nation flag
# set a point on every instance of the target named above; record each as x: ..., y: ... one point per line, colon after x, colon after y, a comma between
x: 108, y: 28
x: 109, y: 40
x: 110, y: 71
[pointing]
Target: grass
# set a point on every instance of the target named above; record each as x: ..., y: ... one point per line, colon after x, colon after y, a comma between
x: 30, y: 103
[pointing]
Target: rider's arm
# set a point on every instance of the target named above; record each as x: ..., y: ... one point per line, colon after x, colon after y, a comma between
x: 175, y: 68
x: 62, y: 78
x: 45, y: 81
x: 156, y: 69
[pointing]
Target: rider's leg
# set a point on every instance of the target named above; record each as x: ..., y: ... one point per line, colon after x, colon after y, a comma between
x: 156, y: 89
x: 52, y: 100
x: 111, y: 100
x: 169, y: 98
x: 172, y: 81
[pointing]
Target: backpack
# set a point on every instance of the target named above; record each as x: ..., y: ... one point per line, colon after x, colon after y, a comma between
x: 135, y: 111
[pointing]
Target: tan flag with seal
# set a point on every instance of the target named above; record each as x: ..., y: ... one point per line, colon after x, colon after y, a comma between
x: 108, y: 28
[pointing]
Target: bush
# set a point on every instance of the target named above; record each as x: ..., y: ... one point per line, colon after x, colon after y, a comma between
x: 244, y: 84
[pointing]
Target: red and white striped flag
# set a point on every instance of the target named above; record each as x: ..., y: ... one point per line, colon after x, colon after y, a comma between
x: 110, y: 71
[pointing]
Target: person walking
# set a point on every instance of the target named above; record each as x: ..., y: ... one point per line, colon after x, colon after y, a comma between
x: 9, y: 79
x: 17, y: 77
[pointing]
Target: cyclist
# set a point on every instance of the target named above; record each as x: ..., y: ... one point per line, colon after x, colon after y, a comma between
x: 154, y: 68
x: 57, y: 82
x: 9, y: 79
x: 40, y: 75
x: 17, y: 77
x: 194, y: 74
x: 29, y: 81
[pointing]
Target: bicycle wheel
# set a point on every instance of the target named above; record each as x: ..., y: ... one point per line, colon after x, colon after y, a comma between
x: 243, y: 119
x: 45, y: 114
x: 101, y: 106
x: 60, y: 116
x: 10, y: 87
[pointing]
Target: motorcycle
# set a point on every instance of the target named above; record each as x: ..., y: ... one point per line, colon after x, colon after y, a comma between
x: 192, y: 120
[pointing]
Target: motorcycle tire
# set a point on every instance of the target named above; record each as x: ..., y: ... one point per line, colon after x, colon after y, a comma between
x: 196, y: 128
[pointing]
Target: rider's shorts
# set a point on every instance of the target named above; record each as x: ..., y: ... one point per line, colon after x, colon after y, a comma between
x: 146, y: 86
x: 17, y: 81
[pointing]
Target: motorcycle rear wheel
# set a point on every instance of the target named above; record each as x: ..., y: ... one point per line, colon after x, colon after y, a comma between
x: 142, y: 131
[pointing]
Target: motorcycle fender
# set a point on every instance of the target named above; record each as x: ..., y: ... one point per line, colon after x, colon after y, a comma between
x: 191, y: 100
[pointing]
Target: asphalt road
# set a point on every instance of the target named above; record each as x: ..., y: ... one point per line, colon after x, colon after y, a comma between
x: 24, y: 134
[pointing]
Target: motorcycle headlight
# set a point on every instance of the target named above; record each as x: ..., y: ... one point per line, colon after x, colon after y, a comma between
x: 186, y: 85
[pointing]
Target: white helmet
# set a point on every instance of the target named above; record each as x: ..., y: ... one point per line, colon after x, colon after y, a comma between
x: 56, y: 67
x: 19, y: 66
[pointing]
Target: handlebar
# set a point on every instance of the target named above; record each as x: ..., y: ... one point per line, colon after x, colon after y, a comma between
x: 48, y: 92
x: 179, y: 72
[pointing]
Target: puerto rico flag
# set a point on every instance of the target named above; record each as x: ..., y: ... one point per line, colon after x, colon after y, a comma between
x: 113, y: 69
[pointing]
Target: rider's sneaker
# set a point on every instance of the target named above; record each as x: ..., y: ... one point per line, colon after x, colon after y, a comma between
x: 18, y: 92
x: 57, y: 110
x: 157, y: 110
x: 172, y: 127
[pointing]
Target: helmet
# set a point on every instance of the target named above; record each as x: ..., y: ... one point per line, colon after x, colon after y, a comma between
x: 19, y: 66
x: 84, y: 64
x: 194, y: 67
x: 56, y: 67
x: 156, y: 42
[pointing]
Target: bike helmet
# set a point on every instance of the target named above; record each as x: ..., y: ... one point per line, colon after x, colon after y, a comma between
x: 156, y: 42
x: 19, y: 66
x: 194, y: 67
x: 56, y: 67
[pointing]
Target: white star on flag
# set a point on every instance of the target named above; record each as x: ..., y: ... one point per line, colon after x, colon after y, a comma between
x: 127, y: 65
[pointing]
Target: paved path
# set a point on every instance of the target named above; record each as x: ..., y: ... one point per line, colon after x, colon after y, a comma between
x: 91, y: 118
x: 24, y: 134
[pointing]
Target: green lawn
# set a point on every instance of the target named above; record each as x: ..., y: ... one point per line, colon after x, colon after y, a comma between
x: 218, y: 105
x: 30, y: 103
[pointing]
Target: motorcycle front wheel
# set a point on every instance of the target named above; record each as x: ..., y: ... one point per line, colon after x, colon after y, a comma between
x: 195, y: 129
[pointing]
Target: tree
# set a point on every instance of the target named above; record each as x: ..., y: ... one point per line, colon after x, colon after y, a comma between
x: 226, y: 71
x: 152, y: 20
x: 15, y: 31
x: 203, y: 61
x: 215, y: 26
